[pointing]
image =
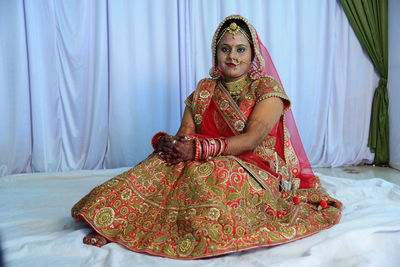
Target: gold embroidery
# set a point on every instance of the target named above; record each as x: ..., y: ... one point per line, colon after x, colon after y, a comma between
x: 117, y: 204
x: 228, y: 229
x: 199, y: 209
x: 204, y: 94
x: 205, y: 169
x: 104, y: 217
x: 124, y: 211
x: 186, y: 245
x: 214, y: 214
x: 197, y: 118
x: 217, y: 207
x: 201, y: 100
x: 224, y: 105
x: 143, y: 208
x: 191, y: 213
x: 172, y: 216
x: 269, y: 87
x: 112, y: 182
x: 290, y: 156
x: 126, y: 194
x: 231, y: 111
x: 239, y: 126
x: 240, y: 231
x: 132, y: 217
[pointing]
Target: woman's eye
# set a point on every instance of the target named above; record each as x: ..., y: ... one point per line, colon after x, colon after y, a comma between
x: 241, y: 50
x: 224, y: 49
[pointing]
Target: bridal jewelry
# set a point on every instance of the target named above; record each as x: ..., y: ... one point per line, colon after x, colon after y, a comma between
x: 236, y: 88
x: 234, y: 29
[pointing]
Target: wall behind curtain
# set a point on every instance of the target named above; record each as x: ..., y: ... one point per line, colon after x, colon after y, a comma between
x: 85, y: 84
x: 394, y: 83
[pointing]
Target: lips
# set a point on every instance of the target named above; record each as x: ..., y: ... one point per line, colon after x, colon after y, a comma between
x: 231, y: 65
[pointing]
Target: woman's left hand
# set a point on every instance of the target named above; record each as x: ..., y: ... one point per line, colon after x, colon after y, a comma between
x: 175, y: 149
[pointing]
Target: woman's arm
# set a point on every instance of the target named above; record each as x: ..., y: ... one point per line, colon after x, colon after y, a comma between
x: 175, y: 150
x: 262, y: 119
x: 187, y: 124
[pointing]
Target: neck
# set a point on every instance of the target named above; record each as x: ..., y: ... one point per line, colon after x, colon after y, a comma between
x: 231, y: 80
x: 236, y: 87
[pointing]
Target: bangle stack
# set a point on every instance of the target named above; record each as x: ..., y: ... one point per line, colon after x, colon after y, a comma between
x: 208, y: 148
x: 156, y: 138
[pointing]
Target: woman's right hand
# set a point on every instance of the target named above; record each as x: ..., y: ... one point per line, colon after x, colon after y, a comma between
x: 176, y: 149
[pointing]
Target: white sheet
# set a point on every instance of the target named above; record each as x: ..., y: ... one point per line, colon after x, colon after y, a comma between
x: 37, y: 230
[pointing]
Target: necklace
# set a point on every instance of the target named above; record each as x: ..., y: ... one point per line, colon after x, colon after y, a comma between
x: 236, y: 88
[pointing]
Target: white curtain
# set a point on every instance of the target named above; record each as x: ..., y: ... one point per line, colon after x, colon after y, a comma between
x: 394, y: 82
x: 85, y: 84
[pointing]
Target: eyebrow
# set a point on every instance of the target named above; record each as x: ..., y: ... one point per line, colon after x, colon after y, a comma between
x: 234, y: 45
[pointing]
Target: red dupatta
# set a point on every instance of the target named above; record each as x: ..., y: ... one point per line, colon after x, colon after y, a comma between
x: 288, y: 142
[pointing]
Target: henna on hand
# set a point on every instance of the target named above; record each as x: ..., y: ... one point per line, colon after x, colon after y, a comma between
x: 176, y: 149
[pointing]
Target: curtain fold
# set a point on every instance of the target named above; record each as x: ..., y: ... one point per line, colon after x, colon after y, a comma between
x: 85, y: 84
x: 369, y: 19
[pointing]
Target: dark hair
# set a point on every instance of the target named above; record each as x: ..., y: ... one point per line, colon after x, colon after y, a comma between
x: 240, y: 23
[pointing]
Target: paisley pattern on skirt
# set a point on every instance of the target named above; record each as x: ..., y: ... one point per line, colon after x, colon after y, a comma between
x: 199, y: 209
x: 227, y: 204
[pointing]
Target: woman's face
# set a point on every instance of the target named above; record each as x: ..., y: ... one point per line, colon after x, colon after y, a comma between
x: 234, y: 56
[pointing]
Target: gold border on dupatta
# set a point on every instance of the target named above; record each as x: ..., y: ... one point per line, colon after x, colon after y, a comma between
x: 229, y: 109
x: 201, y: 100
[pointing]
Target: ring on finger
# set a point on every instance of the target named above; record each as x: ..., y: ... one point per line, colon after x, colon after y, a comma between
x: 174, y: 142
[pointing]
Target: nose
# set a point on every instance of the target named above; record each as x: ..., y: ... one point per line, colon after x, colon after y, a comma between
x: 233, y: 54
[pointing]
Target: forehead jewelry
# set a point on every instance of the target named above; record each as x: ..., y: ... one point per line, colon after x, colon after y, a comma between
x: 233, y: 29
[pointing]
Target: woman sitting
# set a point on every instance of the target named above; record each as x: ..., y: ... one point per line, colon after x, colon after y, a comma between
x: 234, y: 177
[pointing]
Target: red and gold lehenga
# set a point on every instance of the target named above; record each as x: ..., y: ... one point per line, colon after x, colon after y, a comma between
x: 226, y: 204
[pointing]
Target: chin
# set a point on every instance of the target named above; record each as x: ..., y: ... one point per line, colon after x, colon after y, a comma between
x: 232, y: 75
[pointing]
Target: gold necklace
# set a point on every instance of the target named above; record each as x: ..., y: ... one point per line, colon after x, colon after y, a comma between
x: 236, y: 88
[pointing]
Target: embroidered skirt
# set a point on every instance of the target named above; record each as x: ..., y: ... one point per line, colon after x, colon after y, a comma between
x: 202, y: 209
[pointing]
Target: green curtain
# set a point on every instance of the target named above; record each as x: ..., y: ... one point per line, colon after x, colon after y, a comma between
x: 369, y: 19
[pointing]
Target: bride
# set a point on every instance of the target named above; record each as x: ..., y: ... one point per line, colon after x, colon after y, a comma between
x: 234, y: 177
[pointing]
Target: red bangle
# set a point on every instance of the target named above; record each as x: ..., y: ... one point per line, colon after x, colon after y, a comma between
x: 213, y: 147
x: 205, y: 149
x: 156, y: 139
x: 197, y: 149
x: 225, y: 152
x: 200, y: 149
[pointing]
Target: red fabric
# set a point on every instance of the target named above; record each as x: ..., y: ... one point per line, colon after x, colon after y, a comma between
x: 210, y: 130
x: 263, y: 65
x: 306, y: 174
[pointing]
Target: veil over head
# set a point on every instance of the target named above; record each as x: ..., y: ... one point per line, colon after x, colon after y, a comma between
x: 262, y: 66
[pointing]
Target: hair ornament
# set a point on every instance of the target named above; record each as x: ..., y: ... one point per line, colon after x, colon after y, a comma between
x: 234, y: 29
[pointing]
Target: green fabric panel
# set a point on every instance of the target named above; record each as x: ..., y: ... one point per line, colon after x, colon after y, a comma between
x: 369, y: 20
